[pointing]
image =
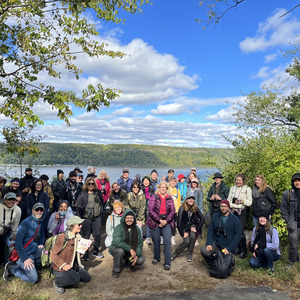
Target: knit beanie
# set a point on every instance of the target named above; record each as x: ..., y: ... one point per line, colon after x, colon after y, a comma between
x: 225, y: 202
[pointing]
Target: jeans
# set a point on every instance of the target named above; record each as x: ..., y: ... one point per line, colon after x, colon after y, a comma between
x: 188, y: 242
x: 148, y: 234
x: 266, y: 257
x: 71, y: 277
x: 92, y: 224
x: 26, y: 275
x: 119, y: 254
x: 166, y: 233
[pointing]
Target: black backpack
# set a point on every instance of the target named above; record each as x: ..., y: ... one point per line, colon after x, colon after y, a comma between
x: 222, y: 266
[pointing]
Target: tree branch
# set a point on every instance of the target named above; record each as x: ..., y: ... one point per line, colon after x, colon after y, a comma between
x: 289, y: 10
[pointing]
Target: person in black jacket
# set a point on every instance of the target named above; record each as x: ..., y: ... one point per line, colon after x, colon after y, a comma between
x: 189, y: 222
x: 26, y: 182
x: 90, y: 207
x: 263, y: 199
x: 56, y: 186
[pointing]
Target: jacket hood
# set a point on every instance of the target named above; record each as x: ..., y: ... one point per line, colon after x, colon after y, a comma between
x: 295, y: 176
x: 125, y: 214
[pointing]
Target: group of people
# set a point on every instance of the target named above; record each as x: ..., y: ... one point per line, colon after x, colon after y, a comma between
x: 74, y: 209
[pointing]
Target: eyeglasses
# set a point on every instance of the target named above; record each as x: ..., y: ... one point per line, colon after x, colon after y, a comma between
x: 91, y: 183
x: 39, y: 209
x: 135, y: 187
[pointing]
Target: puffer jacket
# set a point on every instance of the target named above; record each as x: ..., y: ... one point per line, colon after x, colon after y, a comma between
x: 265, y: 202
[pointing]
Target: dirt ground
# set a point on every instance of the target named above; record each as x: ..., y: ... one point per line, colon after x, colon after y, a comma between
x: 144, y: 281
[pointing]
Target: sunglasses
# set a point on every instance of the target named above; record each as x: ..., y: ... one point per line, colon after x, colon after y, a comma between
x: 135, y: 187
x: 91, y: 183
x: 39, y: 209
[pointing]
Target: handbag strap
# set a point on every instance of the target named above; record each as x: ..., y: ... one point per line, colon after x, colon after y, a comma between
x: 32, y: 237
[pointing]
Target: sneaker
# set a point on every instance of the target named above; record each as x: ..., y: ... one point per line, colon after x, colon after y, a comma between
x: 173, y: 241
x: 98, y: 254
x: 7, y: 275
x: 167, y: 267
x: 85, y: 256
x: 161, y: 240
x: 189, y: 257
x: 148, y: 241
x: 196, y: 243
x: 115, y: 274
x: 173, y: 256
x: 58, y: 290
x: 154, y: 261
x: 270, y: 272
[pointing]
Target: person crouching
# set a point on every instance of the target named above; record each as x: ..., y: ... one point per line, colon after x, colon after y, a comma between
x: 127, y: 243
x: 66, y: 264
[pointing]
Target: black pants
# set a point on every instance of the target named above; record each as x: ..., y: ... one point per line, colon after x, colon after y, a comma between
x: 71, y: 277
x: 88, y: 225
x: 188, y: 242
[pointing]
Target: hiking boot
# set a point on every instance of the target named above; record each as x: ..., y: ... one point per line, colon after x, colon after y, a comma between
x: 270, y: 272
x: 115, y: 274
x: 148, y: 241
x: 154, y: 261
x: 173, y: 256
x: 167, y: 267
x: 98, y: 254
x: 58, y: 290
x: 189, y: 257
x: 7, y: 275
x: 85, y: 256
x: 173, y: 241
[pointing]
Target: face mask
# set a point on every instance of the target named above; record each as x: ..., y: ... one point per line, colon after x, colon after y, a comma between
x: 62, y: 213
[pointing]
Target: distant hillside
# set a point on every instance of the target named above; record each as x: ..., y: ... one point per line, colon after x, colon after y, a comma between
x: 123, y: 155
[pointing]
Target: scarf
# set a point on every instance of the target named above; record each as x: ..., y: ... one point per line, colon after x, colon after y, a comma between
x: 261, y: 237
x: 60, y: 226
x: 255, y: 192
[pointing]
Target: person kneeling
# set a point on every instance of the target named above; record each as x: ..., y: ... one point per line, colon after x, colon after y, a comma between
x: 66, y: 264
x: 127, y: 243
x: 264, y: 244
x: 190, y: 221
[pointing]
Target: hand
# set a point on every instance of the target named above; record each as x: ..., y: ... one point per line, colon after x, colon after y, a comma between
x: 40, y: 246
x: 255, y: 247
x: 225, y: 251
x: 163, y: 222
x: 208, y: 248
x: 164, y: 178
x: 193, y: 229
x: 212, y: 197
x: 28, y: 264
x: 132, y: 253
x: 57, y: 216
x: 134, y: 260
x: 66, y: 267
x: 217, y: 197
x: 139, y: 223
x: 186, y: 234
x: 254, y: 255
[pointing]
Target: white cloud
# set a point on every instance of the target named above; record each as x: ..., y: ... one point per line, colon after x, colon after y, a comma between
x: 223, y: 115
x: 274, y: 31
x: 168, y: 109
x: 263, y: 72
x: 271, y: 57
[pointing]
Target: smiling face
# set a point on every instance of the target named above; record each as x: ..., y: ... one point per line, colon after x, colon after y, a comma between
x: 297, y: 183
x: 39, y: 186
x: 10, y: 202
x: 173, y: 183
x: 190, y: 201
x: 38, y: 213
x: 135, y: 189
x: 116, y: 188
x: 218, y: 180
x: 239, y: 181
x: 15, y: 185
x: 163, y: 189
x: 154, y: 176
x: 146, y: 182
x: 262, y: 220
x: 63, y: 207
x: 103, y: 175
x: 129, y: 220
x: 224, y: 209
x: 118, y: 210
x: 125, y: 175
x: 257, y: 182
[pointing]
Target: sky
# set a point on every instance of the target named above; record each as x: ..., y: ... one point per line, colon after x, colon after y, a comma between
x: 178, y: 81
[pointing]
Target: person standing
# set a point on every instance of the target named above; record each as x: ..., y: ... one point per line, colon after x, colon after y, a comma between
x: 153, y: 179
x: 26, y: 182
x: 125, y: 182
x: 48, y: 190
x: 196, y: 192
x: 290, y: 212
x: 240, y: 198
x: 56, y: 186
x: 103, y: 184
x: 182, y: 186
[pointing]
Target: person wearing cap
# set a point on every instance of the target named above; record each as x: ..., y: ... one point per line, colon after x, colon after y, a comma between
x: 26, y: 182
x: 30, y: 230
x: 56, y: 186
x: 66, y: 264
x: 79, y: 179
x: 48, y: 190
x: 125, y: 182
x: 10, y: 215
x: 224, y: 233
x: 189, y: 222
x: 240, y: 198
x: 103, y: 185
x: 153, y: 179
x: 90, y: 207
x: 264, y: 244
x: 58, y: 220
x: 290, y: 212
x: 70, y: 191
x: 127, y: 243
x: 192, y: 175
x: 113, y: 221
x: 217, y: 192
x: 77, y: 170
x: 264, y: 199
x: 182, y: 186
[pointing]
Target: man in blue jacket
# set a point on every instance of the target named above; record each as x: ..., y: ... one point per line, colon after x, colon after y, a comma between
x: 125, y: 182
x: 224, y: 233
x: 31, y: 229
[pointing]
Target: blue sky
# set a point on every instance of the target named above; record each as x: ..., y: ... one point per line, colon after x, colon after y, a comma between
x: 179, y: 81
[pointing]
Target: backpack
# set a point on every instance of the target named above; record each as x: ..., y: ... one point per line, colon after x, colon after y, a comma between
x: 222, y: 266
x: 49, y: 244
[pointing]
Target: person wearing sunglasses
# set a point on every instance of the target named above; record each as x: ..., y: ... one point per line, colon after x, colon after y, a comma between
x: 90, y: 207
x: 66, y: 264
x: 29, y: 244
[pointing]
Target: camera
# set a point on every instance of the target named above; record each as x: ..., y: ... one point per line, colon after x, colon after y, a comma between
x: 90, y: 212
x: 234, y: 199
x: 163, y: 217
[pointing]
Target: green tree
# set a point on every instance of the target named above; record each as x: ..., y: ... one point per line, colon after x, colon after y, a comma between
x: 18, y: 141
x: 41, y: 37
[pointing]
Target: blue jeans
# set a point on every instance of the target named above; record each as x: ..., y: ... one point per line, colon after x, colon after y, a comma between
x: 148, y: 235
x: 26, y: 275
x: 166, y: 233
x: 266, y: 257
x: 255, y: 220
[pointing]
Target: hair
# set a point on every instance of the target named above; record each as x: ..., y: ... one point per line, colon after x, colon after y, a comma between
x: 241, y: 176
x: 70, y: 227
x: 264, y: 185
x: 111, y: 190
x: 192, y: 174
x: 86, y: 183
x: 135, y: 182
x: 187, y: 207
x: 146, y: 177
x: 134, y: 234
x: 267, y: 227
x: 90, y: 169
x: 34, y: 184
x: 173, y: 179
x: 106, y: 176
x: 159, y: 186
